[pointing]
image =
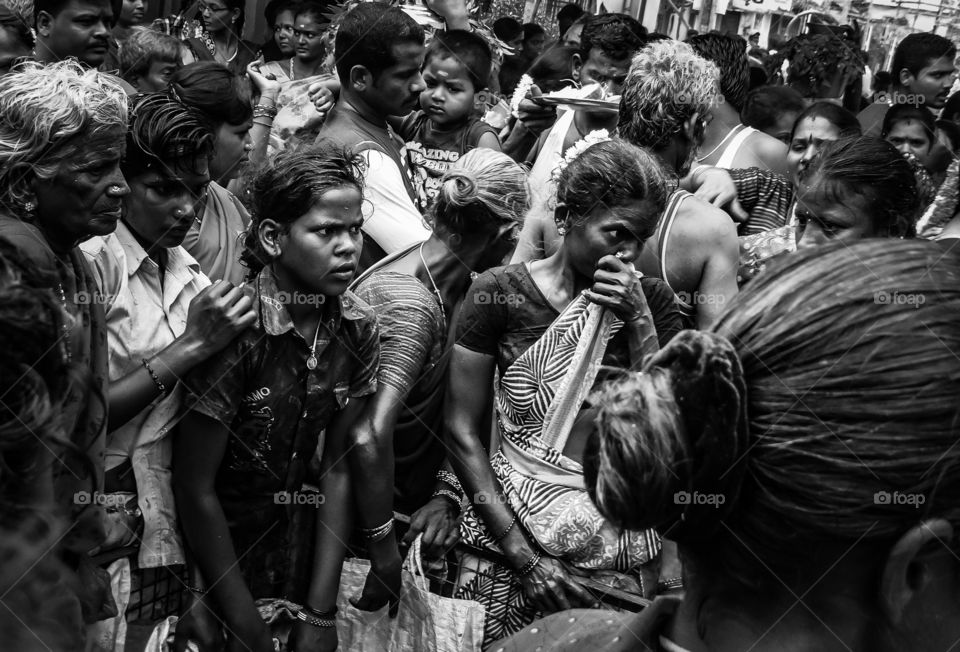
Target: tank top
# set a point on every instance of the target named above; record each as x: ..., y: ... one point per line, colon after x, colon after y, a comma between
x: 733, y: 147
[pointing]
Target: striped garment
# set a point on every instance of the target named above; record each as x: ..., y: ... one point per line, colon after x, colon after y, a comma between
x: 766, y: 196
x: 544, y: 487
x: 412, y: 340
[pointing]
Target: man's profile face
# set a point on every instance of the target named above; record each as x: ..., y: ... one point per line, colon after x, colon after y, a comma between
x: 933, y: 82
x: 396, y: 90
x: 81, y: 29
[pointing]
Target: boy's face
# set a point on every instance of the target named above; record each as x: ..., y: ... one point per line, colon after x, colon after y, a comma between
x: 163, y: 203
x: 533, y: 47
x: 449, y: 94
x: 320, y: 251
x: 396, y: 90
x: 158, y: 76
x: 933, y: 81
x: 80, y: 30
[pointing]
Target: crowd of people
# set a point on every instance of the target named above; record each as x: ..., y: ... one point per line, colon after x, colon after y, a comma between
x: 585, y: 312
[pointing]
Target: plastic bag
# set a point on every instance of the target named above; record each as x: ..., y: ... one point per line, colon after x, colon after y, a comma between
x: 425, y: 622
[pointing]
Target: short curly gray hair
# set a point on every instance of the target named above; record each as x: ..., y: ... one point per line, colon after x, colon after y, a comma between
x: 44, y: 109
x: 667, y: 83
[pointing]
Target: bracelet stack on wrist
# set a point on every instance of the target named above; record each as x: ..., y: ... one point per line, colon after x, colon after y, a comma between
x: 263, y: 114
x: 378, y: 533
x: 527, y: 568
x: 451, y: 479
x: 322, y: 619
x: 446, y: 493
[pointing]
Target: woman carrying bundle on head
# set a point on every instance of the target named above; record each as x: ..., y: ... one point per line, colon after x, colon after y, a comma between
x: 519, y: 329
x: 854, y: 548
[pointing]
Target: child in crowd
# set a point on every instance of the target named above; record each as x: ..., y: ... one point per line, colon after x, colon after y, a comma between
x: 455, y: 73
x: 256, y: 411
x: 149, y: 59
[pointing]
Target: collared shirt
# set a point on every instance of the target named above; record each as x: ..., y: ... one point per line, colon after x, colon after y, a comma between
x: 274, y: 406
x: 143, y: 318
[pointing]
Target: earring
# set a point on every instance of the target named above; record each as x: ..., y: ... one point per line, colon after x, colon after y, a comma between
x: 29, y: 206
x: 562, y: 230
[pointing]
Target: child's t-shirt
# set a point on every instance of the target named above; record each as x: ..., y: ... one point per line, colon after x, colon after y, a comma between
x: 431, y: 151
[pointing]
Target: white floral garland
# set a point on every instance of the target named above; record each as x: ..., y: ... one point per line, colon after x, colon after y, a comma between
x: 575, y: 150
x: 523, y: 87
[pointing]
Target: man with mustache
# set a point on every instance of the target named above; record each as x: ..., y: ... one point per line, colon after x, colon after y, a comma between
x: 923, y: 73
x: 73, y: 28
x: 374, y: 87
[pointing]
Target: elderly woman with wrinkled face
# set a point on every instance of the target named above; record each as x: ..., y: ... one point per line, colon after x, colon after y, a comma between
x: 61, y: 141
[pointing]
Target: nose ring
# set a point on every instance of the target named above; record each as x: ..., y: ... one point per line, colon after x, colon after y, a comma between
x: 115, y: 189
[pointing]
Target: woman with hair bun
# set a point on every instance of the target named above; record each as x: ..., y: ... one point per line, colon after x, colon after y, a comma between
x: 476, y: 216
x: 521, y: 328
x: 803, y: 456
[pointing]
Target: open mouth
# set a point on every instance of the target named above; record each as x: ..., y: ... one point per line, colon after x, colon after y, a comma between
x: 344, y: 271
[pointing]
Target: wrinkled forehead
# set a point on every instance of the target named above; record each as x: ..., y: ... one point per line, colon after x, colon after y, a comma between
x: 598, y: 60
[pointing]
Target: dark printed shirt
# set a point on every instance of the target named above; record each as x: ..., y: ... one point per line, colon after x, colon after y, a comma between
x: 505, y: 313
x: 432, y: 151
x: 275, y: 407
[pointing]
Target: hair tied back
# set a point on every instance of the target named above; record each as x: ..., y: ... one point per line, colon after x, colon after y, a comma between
x: 459, y: 187
x: 671, y: 441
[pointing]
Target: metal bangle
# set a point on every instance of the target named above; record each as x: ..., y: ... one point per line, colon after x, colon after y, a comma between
x: 323, y: 623
x: 375, y: 534
x: 446, y: 493
x: 670, y: 584
x: 263, y: 111
x: 527, y: 568
x: 451, y: 479
x: 499, y: 537
x: 332, y: 613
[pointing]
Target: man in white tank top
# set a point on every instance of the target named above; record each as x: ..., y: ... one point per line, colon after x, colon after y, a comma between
x: 695, y: 249
x: 727, y: 143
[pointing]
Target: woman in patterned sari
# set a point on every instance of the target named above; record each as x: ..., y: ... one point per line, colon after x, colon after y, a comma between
x: 551, y: 328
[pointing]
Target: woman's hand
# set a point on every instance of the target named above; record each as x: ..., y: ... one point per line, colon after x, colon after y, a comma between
x: 307, y: 638
x: 382, y: 587
x: 550, y: 588
x: 716, y: 186
x: 216, y: 316
x: 267, y: 85
x: 198, y: 624
x: 617, y: 287
x: 439, y: 522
